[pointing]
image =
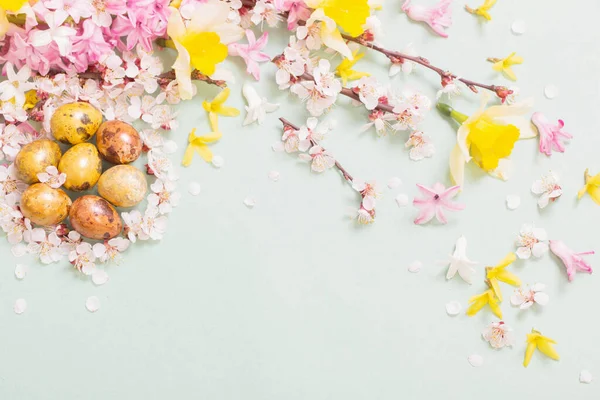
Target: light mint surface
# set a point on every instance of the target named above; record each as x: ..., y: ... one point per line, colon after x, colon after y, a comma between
x: 291, y: 301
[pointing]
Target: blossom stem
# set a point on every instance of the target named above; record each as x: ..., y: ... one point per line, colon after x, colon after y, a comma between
x: 424, y: 62
x: 345, y: 173
x: 451, y: 112
x: 165, y: 76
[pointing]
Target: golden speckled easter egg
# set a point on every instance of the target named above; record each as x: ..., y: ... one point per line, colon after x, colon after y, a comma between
x: 118, y: 142
x: 123, y: 185
x: 83, y: 167
x: 35, y: 157
x: 95, y: 218
x: 75, y: 122
x: 44, y: 205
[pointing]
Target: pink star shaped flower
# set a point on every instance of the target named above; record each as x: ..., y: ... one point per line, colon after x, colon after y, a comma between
x: 551, y: 135
x: 251, y: 52
x: 435, y: 200
x: 438, y: 17
x: 573, y: 262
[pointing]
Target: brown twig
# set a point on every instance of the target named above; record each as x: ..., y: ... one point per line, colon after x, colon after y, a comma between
x: 425, y: 62
x: 345, y: 173
x: 166, y: 76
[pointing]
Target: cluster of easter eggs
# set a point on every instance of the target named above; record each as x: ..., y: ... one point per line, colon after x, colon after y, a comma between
x: 122, y: 185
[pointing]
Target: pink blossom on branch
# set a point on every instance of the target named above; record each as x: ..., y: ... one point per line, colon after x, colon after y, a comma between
x: 251, y: 52
x: 437, y: 17
x: 572, y: 261
x: 551, y: 135
x: 436, y: 199
x: 296, y: 9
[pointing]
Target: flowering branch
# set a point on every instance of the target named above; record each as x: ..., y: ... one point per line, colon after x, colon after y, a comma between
x: 163, y: 78
x: 500, y: 91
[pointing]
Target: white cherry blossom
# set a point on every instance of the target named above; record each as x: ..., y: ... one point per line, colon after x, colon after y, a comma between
x: 498, y: 335
x: 548, y: 188
x: 82, y: 258
x: 111, y: 250
x: 420, y: 146
x: 320, y: 159
x: 526, y: 297
x: 164, y: 196
x: 47, y: 247
x: 531, y: 240
x: 52, y: 177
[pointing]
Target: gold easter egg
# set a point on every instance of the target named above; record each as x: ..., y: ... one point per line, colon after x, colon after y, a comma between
x: 35, y: 157
x: 95, y: 218
x: 123, y: 185
x: 75, y: 123
x: 83, y: 167
x: 44, y: 205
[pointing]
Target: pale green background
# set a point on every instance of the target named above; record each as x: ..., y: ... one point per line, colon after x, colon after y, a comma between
x: 289, y: 300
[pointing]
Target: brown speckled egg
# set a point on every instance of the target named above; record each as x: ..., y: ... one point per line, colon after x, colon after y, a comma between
x: 123, y: 185
x: 118, y: 142
x: 83, y: 167
x: 35, y: 157
x: 95, y: 218
x: 75, y: 122
x: 44, y: 205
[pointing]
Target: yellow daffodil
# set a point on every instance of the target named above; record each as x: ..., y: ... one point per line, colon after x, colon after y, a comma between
x: 344, y: 69
x: 11, y: 6
x: 499, y: 273
x: 216, y: 107
x: 487, y: 137
x: 483, y: 10
x: 542, y: 343
x: 199, y: 144
x: 592, y: 187
x: 201, y: 44
x: 479, y: 301
x: 504, y: 65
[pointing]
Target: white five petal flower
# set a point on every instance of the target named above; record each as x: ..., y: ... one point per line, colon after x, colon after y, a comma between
x: 524, y: 298
x: 531, y: 240
x: 498, y: 335
x: 548, y: 188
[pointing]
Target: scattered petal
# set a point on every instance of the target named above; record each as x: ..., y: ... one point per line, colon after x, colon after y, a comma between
x: 585, y: 376
x: 394, y: 182
x: 99, y: 277
x: 498, y: 335
x: 415, y: 266
x: 19, y: 250
x: 194, y: 188
x: 453, y: 308
x: 278, y: 147
x: 218, y: 161
x: 402, y: 200
x: 20, y: 306
x: 250, y: 202
x: 551, y: 91
x: 475, y: 360
x: 274, y: 176
x: 21, y: 271
x: 513, y: 201
x: 92, y: 304
x: 518, y: 27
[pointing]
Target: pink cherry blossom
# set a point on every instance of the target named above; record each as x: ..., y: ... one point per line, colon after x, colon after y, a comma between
x: 89, y: 46
x: 76, y: 9
x: 251, y: 52
x: 437, y: 17
x: 572, y: 261
x: 435, y: 201
x: 551, y: 135
x: 296, y: 9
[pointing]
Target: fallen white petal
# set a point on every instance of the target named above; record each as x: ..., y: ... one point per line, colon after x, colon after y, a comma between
x: 99, y: 277
x: 453, y: 308
x: 513, y: 201
x: 88, y: 269
x: 278, y: 146
x: 250, y: 202
x: 415, y: 266
x: 274, y: 176
x: 394, y: 182
x: 551, y: 91
x: 518, y: 27
x: 19, y: 250
x: 194, y: 188
x: 475, y: 360
x: 402, y: 200
x: 21, y: 271
x: 218, y: 161
x: 20, y: 306
x: 585, y: 376
x: 92, y: 304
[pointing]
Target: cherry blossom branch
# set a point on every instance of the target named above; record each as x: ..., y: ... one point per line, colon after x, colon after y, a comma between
x: 165, y: 77
x: 345, y: 173
x: 500, y: 91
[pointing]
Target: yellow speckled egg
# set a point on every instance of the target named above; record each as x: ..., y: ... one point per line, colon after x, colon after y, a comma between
x: 95, y: 218
x: 123, y: 185
x: 44, y: 205
x: 83, y: 167
x: 35, y: 157
x: 75, y: 122
x: 118, y: 142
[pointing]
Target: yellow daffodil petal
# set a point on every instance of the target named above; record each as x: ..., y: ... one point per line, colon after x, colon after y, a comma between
x: 12, y: 5
x: 214, y: 121
x: 509, y: 73
x: 508, y: 277
x: 457, y: 166
x: 544, y: 344
x: 221, y: 97
x: 495, y: 307
x: 498, y: 66
x: 495, y: 287
x: 528, y: 353
x: 204, y: 152
x: 507, y: 260
x: 333, y: 39
x: 349, y: 15
x: 513, y: 59
x: 489, y: 142
x: 229, y: 111
x: 484, y: 14
x: 477, y: 305
x: 205, y: 49
x: 199, y: 144
x: 480, y: 300
x: 188, y: 156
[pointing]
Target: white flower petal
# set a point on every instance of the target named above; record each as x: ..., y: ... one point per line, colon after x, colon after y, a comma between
x: 453, y: 308
x: 551, y: 91
x: 541, y: 298
x: 19, y: 250
x: 513, y: 201
x: 194, y: 188
x: 21, y: 271
x: 278, y: 147
x: 20, y: 306
x: 516, y: 299
x: 250, y: 202
x: 540, y: 234
x: 394, y: 182
x: 415, y: 266
x: 518, y: 27
x: 92, y: 304
x: 99, y: 277
x: 274, y: 176
x: 526, y: 305
x: 585, y: 376
x: 523, y: 253
x: 539, y: 249
x: 402, y: 200
x: 475, y: 360
x: 218, y: 161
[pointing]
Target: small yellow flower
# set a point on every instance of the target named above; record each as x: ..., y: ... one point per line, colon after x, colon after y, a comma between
x: 542, y: 343
x: 199, y: 144
x: 479, y: 301
x: 592, y: 187
x: 216, y: 107
x: 344, y: 69
x: 504, y: 65
x: 31, y: 99
x: 483, y: 9
x: 499, y: 273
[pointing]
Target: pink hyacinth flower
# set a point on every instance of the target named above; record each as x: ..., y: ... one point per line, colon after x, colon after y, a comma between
x: 573, y: 261
x: 251, y: 52
x: 551, y: 136
x: 437, y: 17
x: 435, y: 200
